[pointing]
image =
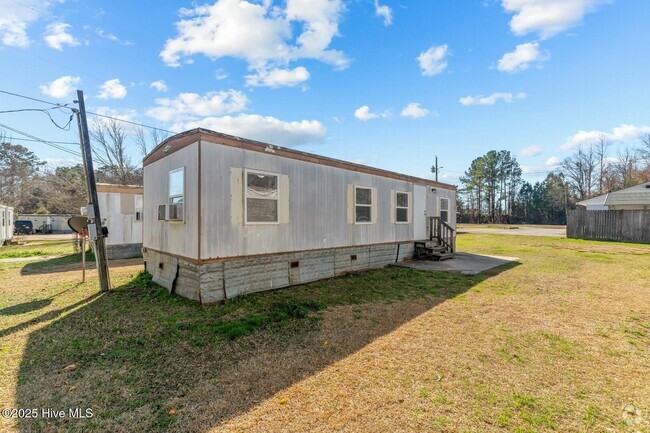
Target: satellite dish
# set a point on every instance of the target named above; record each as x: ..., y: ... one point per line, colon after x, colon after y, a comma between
x: 78, y: 223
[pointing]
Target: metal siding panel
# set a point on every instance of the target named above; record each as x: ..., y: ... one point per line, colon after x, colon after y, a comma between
x: 178, y: 238
x: 317, y: 215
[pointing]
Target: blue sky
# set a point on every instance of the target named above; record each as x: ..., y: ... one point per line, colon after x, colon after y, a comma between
x: 384, y: 83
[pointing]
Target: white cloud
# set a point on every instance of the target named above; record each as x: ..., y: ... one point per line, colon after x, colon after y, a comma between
x: 258, y: 32
x: 491, y: 99
x: 531, y: 151
x: 111, y: 37
x: 521, y: 58
x: 363, y: 113
x: 262, y: 128
x: 61, y: 88
x: 434, y: 60
x: 220, y: 74
x: 278, y: 77
x: 112, y: 89
x: 547, y: 17
x: 15, y: 17
x: 189, y: 106
x: 621, y: 134
x: 553, y: 161
x: 384, y: 12
x: 159, y: 85
x: 56, y: 36
x: 414, y: 110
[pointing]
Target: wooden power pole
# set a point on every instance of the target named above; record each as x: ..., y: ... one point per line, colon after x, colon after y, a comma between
x: 96, y: 234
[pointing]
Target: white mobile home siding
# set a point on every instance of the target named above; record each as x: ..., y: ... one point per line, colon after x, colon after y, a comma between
x: 178, y: 238
x: 316, y: 197
x: 6, y: 223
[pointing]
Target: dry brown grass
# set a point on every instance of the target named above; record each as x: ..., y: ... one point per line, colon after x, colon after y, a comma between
x: 559, y: 343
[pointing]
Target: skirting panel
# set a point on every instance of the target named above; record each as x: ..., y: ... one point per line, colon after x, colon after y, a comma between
x: 214, y: 282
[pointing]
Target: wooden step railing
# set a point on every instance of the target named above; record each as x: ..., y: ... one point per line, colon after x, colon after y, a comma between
x: 443, y: 233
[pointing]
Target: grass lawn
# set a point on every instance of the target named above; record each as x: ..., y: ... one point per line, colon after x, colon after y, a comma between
x: 557, y: 342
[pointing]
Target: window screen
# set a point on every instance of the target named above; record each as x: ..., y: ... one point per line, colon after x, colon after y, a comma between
x: 444, y: 209
x: 363, y: 205
x: 402, y: 207
x: 261, y: 198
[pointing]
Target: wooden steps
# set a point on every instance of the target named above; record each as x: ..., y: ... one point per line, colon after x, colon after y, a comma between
x: 431, y: 250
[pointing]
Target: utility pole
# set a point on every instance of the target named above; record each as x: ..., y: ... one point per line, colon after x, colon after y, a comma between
x: 435, y: 169
x: 96, y: 220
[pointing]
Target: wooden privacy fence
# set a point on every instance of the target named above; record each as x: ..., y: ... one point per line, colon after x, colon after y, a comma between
x: 609, y: 225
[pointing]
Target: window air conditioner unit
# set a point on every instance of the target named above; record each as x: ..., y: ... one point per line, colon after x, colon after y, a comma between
x: 175, y: 212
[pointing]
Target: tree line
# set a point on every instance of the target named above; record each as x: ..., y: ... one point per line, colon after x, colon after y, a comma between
x: 493, y: 191
x: 30, y: 186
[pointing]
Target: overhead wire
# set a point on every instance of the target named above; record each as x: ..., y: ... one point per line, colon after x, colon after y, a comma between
x: 58, y: 105
x: 46, y: 142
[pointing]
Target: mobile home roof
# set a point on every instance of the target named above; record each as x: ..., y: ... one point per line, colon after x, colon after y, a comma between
x: 179, y: 141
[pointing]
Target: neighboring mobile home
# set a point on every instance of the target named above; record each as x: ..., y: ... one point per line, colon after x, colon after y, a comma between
x: 121, y: 209
x: 227, y: 216
x: 47, y: 223
x: 6, y: 224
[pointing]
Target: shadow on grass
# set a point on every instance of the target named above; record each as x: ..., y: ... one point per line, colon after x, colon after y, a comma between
x: 149, y: 361
x: 56, y: 264
x: 28, y: 307
x: 50, y: 315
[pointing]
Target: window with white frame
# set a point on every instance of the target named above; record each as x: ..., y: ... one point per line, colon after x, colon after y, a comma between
x: 176, y: 206
x: 444, y: 209
x: 177, y: 186
x: 362, y: 205
x: 401, y: 207
x: 262, y: 197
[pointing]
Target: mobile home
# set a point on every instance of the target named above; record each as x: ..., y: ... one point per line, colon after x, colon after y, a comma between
x: 48, y: 223
x: 6, y: 224
x: 121, y: 210
x: 226, y: 216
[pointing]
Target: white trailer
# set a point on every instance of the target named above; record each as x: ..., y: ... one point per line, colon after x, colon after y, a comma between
x: 6, y: 224
x: 226, y: 216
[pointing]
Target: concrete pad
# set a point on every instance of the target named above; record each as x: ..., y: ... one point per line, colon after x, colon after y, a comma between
x: 465, y: 263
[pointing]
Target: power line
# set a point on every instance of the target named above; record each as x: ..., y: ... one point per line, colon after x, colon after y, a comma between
x: 55, y: 142
x: 57, y: 105
x: 33, y: 99
x: 132, y: 123
x: 48, y: 143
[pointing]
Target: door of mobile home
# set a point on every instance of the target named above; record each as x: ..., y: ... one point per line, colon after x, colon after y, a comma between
x: 419, y: 212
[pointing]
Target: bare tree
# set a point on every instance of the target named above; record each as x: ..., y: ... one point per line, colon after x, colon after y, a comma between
x: 146, y: 142
x: 110, y: 149
x: 626, y: 167
x: 601, y: 155
x: 644, y: 150
x: 579, y: 171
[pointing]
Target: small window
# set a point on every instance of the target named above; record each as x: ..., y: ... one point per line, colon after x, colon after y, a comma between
x: 262, y: 198
x: 138, y: 216
x: 177, y: 186
x: 444, y: 209
x: 362, y: 205
x: 162, y: 212
x: 402, y: 207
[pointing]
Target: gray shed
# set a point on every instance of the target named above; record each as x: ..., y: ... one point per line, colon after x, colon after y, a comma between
x: 226, y: 216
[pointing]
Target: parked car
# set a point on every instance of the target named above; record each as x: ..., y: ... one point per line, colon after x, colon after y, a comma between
x: 23, y: 227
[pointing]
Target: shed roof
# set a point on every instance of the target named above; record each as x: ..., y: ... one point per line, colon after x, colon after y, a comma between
x: 600, y: 200
x: 636, y: 195
x: 128, y: 189
x: 179, y: 141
